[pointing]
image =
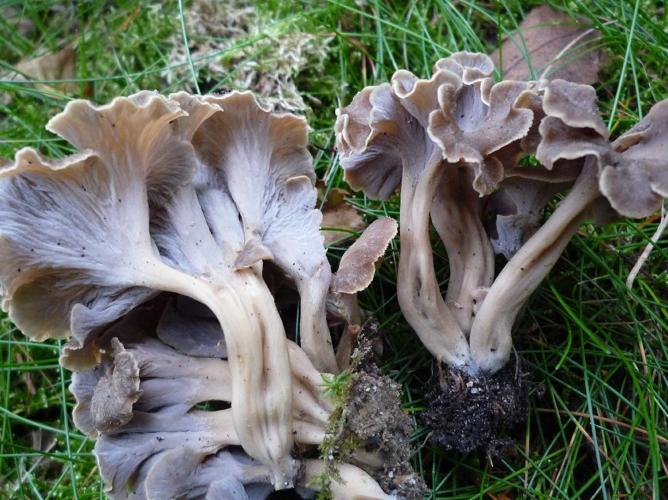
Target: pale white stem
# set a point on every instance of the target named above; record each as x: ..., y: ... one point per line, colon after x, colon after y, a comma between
x: 223, y: 430
x: 491, y: 332
x: 222, y: 424
x: 354, y: 484
x: 197, y: 380
x: 456, y: 216
x: 307, y: 408
x: 418, y: 292
x: 309, y: 433
x: 258, y: 360
x: 304, y: 373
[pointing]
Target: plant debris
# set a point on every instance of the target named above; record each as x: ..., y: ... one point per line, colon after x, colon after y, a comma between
x: 49, y: 69
x: 231, y: 42
x: 339, y: 218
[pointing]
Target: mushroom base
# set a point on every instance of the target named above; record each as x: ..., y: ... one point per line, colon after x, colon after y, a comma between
x: 474, y: 413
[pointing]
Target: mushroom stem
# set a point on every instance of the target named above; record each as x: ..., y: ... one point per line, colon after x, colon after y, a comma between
x: 491, y: 332
x: 417, y: 289
x: 262, y: 403
x: 456, y: 217
x: 314, y: 332
x: 261, y: 389
x: 307, y: 376
x: 353, y: 484
x: 348, y: 302
x: 174, y: 378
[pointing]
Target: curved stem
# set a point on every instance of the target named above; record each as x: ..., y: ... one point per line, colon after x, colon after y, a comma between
x: 258, y: 360
x: 491, y: 332
x: 417, y: 289
x: 187, y: 380
x: 456, y: 216
x: 306, y: 375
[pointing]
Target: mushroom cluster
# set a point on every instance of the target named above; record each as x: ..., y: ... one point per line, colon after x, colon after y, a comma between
x: 456, y: 145
x: 146, y: 250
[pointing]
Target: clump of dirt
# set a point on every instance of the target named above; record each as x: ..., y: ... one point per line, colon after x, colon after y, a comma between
x: 468, y: 413
x: 371, y: 418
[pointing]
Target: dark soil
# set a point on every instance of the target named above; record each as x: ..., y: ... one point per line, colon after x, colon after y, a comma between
x: 474, y: 414
x: 373, y: 418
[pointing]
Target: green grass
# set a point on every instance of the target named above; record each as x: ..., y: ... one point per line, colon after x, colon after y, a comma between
x: 600, y: 349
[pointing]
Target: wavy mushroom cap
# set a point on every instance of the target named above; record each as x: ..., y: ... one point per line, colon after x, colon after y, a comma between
x: 633, y: 171
x: 358, y: 263
x: 376, y: 136
x: 470, y: 67
x: 262, y: 160
x: 79, y: 226
x: 420, y: 97
x: 572, y: 127
x: 635, y: 180
x: 475, y: 122
x: 458, y: 112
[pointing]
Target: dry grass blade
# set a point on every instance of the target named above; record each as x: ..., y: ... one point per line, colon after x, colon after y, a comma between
x: 648, y: 249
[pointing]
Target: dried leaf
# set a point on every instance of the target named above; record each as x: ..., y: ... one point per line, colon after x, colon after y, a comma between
x: 337, y: 214
x: 556, y: 46
x: 53, y: 66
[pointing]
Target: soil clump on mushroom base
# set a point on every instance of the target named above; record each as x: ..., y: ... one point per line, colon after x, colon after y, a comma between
x: 468, y: 413
x: 371, y: 418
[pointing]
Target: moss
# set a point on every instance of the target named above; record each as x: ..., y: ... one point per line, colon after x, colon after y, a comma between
x: 368, y: 416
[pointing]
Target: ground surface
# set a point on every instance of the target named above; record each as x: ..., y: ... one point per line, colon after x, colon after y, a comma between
x: 473, y: 414
x: 599, y: 349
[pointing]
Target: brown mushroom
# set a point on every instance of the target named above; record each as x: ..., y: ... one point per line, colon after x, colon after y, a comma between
x: 481, y: 131
x: 632, y: 164
x: 442, y: 136
x: 355, y: 273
